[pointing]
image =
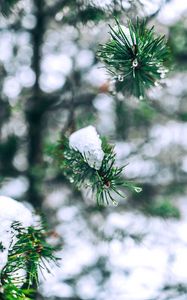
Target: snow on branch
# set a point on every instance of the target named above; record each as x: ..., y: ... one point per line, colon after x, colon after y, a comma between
x: 23, y: 250
x: 90, y: 162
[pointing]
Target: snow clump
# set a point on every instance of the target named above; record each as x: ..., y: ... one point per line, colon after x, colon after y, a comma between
x: 11, y: 211
x: 89, y: 144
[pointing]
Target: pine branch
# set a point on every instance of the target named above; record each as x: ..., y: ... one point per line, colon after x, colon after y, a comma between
x: 28, y: 254
x: 134, y: 57
x: 105, y: 183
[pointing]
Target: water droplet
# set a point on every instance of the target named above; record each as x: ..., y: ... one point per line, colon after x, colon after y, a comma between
x: 115, y: 203
x: 135, y: 63
x: 120, y: 77
x: 162, y: 72
x: 137, y: 189
x: 162, y: 75
x: 110, y: 55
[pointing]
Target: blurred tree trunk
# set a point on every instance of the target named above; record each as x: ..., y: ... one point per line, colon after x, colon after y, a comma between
x: 34, y: 114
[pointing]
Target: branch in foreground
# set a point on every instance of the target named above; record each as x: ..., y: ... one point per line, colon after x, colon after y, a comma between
x: 23, y: 251
x: 89, y: 163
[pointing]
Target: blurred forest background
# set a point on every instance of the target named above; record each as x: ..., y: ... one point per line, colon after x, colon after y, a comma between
x: 51, y: 82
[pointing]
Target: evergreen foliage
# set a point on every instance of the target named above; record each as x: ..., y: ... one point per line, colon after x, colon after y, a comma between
x: 104, y: 183
x: 164, y: 209
x: 29, y: 254
x: 135, y: 60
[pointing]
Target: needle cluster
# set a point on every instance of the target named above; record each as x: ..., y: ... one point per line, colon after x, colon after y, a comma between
x: 105, y: 182
x: 135, y: 57
x: 29, y: 255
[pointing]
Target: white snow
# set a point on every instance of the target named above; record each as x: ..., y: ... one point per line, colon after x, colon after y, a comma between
x: 89, y: 144
x: 127, y: 33
x: 11, y: 211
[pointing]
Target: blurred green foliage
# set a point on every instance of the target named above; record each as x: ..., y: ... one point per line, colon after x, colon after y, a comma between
x: 6, y: 6
x: 178, y: 42
x: 162, y: 208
